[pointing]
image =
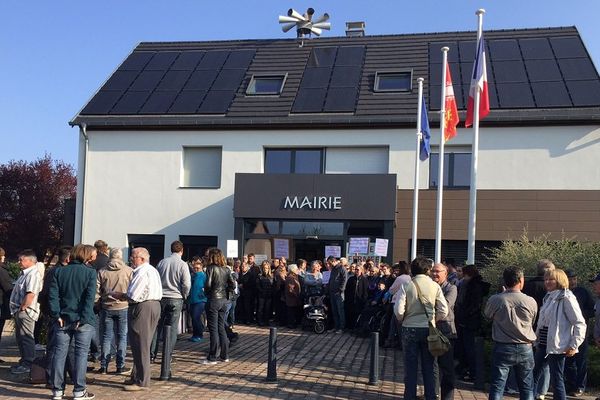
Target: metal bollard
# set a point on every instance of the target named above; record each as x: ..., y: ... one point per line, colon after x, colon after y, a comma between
x: 272, y: 362
x: 165, y: 365
x: 374, y: 367
x: 479, y: 364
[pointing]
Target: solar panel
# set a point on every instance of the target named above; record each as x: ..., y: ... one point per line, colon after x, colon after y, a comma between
x: 137, y: 61
x: 551, y: 94
x: 585, y: 93
x: 213, y: 59
x: 504, y: 50
x: 341, y: 99
x: 174, y: 80
x: 345, y: 76
x: 434, y: 97
x: 435, y: 52
x: 216, y: 102
x: 467, y: 50
x: 239, y: 59
x: 509, y: 71
x: 187, y: 60
x: 536, y: 49
x: 568, y: 47
x: 493, y: 95
x: 515, y: 95
x: 435, y: 73
x: 131, y: 102
x: 543, y: 70
x: 159, y: 102
x: 309, y: 100
x: 322, y: 57
x: 459, y: 95
x: 147, y: 80
x: 120, y: 80
x: 161, y: 61
x: 316, y: 78
x: 229, y: 79
x: 577, y: 69
x: 187, y: 102
x: 102, y: 102
x: 350, y: 56
x: 201, y: 79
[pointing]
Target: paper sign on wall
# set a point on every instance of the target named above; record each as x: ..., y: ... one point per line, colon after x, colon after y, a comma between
x: 232, y: 249
x: 282, y: 248
x: 259, y: 258
x: 335, y: 251
x: 381, y: 247
x: 326, y: 276
x: 358, y: 246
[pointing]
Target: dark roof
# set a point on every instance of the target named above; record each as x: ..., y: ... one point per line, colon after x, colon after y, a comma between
x: 536, y: 76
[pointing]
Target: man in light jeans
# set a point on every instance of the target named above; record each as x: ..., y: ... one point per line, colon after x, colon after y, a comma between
x: 25, y: 309
x: 512, y: 313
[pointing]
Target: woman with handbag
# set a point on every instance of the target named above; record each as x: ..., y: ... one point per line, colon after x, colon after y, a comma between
x: 418, y: 305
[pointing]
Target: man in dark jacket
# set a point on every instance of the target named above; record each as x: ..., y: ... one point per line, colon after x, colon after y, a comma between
x: 337, y: 286
x: 6, y: 287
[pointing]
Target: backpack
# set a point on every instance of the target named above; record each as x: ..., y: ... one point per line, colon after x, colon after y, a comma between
x: 37, y: 373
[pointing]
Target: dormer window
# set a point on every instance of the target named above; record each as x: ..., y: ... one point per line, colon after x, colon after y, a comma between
x: 393, y: 81
x: 266, y: 84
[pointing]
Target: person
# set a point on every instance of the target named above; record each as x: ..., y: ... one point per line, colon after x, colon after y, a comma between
x: 512, y: 313
x: 402, y: 277
x: 176, y: 283
x: 445, y: 364
x: 112, y: 282
x: 249, y: 291
x: 337, y: 286
x: 452, y: 273
x: 71, y: 301
x: 301, y: 267
x: 25, y: 309
x: 293, y: 300
x: 264, y: 286
x: 361, y: 295
x: 419, y: 303
x: 576, y: 366
x: 6, y: 287
x: 197, y: 300
x: 218, y: 288
x: 596, y: 286
x: 560, y: 330
x: 278, y: 301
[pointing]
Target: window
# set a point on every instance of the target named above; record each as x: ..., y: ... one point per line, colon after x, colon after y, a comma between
x: 357, y: 160
x: 293, y: 161
x: 266, y: 85
x: 457, y: 170
x: 201, y: 167
x: 393, y: 81
x: 155, y: 244
x: 196, y: 245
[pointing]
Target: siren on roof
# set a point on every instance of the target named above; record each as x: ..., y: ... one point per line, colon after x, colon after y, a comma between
x: 304, y: 23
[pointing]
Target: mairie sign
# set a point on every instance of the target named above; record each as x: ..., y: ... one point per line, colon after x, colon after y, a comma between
x: 313, y: 203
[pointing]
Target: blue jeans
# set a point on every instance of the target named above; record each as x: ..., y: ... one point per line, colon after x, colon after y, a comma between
x: 170, y: 312
x: 519, y: 357
x: 82, y: 337
x: 556, y: 363
x: 113, y: 323
x: 215, y: 317
x: 196, y: 311
x: 414, y: 343
x: 576, y: 369
x: 337, y: 309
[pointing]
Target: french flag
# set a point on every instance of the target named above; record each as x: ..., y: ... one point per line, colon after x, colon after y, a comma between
x: 478, y: 82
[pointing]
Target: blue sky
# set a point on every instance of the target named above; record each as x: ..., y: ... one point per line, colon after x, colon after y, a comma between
x: 56, y: 54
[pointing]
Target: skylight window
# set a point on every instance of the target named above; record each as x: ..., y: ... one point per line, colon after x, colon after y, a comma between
x: 266, y: 84
x: 393, y: 81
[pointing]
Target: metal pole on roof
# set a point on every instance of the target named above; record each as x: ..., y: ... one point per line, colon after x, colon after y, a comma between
x: 440, y: 193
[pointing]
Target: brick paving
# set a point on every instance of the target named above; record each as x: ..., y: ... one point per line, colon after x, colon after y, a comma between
x: 310, y: 366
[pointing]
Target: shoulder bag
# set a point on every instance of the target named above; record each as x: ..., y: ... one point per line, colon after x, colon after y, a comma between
x: 437, y: 343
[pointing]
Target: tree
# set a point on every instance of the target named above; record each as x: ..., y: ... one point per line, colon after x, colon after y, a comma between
x: 32, y: 203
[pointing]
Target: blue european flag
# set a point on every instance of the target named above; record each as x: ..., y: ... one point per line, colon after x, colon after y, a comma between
x: 425, y: 135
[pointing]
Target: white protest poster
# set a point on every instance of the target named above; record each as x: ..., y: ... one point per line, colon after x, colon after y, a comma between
x: 358, y: 245
x: 381, y: 247
x: 232, y: 249
x: 335, y: 251
x: 326, y: 276
x: 259, y: 258
x: 281, y: 248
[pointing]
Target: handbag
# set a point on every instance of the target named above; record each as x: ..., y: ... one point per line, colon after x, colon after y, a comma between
x: 437, y: 343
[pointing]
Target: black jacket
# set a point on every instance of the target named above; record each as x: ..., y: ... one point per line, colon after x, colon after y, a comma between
x: 467, y: 309
x: 6, y: 285
x: 265, y: 286
x: 219, y: 282
x: 338, y: 280
x: 100, y: 262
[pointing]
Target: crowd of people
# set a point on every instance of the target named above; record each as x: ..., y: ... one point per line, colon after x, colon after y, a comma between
x: 94, y: 305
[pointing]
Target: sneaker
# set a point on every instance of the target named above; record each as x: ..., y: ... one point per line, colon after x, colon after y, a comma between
x: 195, y: 339
x: 123, y: 371
x: 225, y: 360
x: 19, y: 370
x: 208, y: 362
x: 101, y: 370
x: 577, y: 393
x: 85, y: 396
x: 134, y: 388
x: 57, y: 396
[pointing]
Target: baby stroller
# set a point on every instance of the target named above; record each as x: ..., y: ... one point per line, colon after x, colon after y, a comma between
x: 371, y: 319
x: 315, y: 312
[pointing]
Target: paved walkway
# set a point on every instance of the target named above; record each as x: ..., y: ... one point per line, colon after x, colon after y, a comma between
x: 310, y: 366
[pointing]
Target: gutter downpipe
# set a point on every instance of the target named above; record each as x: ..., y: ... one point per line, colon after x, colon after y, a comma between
x: 83, y: 132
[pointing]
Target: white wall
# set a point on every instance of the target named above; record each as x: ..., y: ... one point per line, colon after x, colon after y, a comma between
x: 133, y: 176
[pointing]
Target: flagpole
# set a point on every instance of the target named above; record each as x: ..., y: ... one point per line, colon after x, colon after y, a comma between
x: 413, y: 248
x: 474, y: 158
x: 438, y: 215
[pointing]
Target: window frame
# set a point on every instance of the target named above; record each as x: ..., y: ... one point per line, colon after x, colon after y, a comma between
x: 447, y: 166
x: 383, y: 73
x: 256, y: 77
x: 293, y: 151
